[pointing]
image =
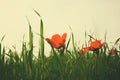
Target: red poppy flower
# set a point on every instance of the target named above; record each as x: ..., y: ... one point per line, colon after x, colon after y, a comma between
x: 96, y: 45
x: 112, y: 52
x: 84, y: 50
x: 57, y: 41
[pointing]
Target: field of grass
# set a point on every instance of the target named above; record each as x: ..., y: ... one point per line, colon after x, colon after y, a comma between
x: 95, y: 62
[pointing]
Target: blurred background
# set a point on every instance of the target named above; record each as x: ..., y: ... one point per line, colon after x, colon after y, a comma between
x: 92, y: 16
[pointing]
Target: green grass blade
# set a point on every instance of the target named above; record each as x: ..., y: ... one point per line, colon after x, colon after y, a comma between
x: 68, y: 43
x: 105, y: 36
x: 41, y: 39
x: 91, y: 37
x: 36, y: 12
x: 73, y: 42
x: 3, y: 55
x: 41, y: 49
x: 41, y: 35
x: 85, y: 39
x: 1, y: 45
x: 30, y: 52
x: 2, y: 38
x: 30, y: 37
x: 117, y: 41
x: 41, y: 53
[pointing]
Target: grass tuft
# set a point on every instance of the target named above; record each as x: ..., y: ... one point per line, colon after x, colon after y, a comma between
x: 73, y: 66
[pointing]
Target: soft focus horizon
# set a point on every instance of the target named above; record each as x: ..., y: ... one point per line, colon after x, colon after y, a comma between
x: 93, y: 16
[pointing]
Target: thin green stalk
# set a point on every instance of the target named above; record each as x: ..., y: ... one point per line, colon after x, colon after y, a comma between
x: 3, y: 55
x: 41, y: 35
x: 68, y: 45
x: 30, y: 52
x: 1, y: 45
x: 42, y: 40
x: 85, y: 39
x: 73, y: 43
x: 41, y: 50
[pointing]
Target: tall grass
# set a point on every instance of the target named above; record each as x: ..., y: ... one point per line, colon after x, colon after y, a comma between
x: 70, y: 66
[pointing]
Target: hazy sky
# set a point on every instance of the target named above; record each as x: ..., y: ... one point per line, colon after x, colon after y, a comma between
x: 93, y: 16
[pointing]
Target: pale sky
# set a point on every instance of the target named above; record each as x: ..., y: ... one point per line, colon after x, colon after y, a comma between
x: 93, y: 16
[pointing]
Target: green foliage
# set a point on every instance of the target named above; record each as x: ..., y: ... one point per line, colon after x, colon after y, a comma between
x: 71, y: 66
x: 66, y: 67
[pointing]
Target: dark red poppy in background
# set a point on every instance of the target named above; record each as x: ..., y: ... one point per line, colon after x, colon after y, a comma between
x: 57, y: 41
x: 112, y: 52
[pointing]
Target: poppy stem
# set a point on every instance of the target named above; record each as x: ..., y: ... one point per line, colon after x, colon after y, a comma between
x: 53, y: 51
x: 61, y: 51
x: 96, y: 51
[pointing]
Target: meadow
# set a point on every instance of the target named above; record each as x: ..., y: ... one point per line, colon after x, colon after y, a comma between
x: 95, y: 60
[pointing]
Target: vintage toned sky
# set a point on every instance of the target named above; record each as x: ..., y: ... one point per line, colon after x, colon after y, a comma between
x: 93, y: 16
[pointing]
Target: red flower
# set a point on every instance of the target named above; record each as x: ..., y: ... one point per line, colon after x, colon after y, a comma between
x: 84, y: 50
x: 112, y: 52
x: 57, y: 41
x: 96, y: 45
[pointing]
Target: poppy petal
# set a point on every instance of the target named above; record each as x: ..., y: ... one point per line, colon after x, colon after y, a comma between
x: 84, y: 50
x: 64, y: 36
x: 48, y: 40
x: 95, y: 44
